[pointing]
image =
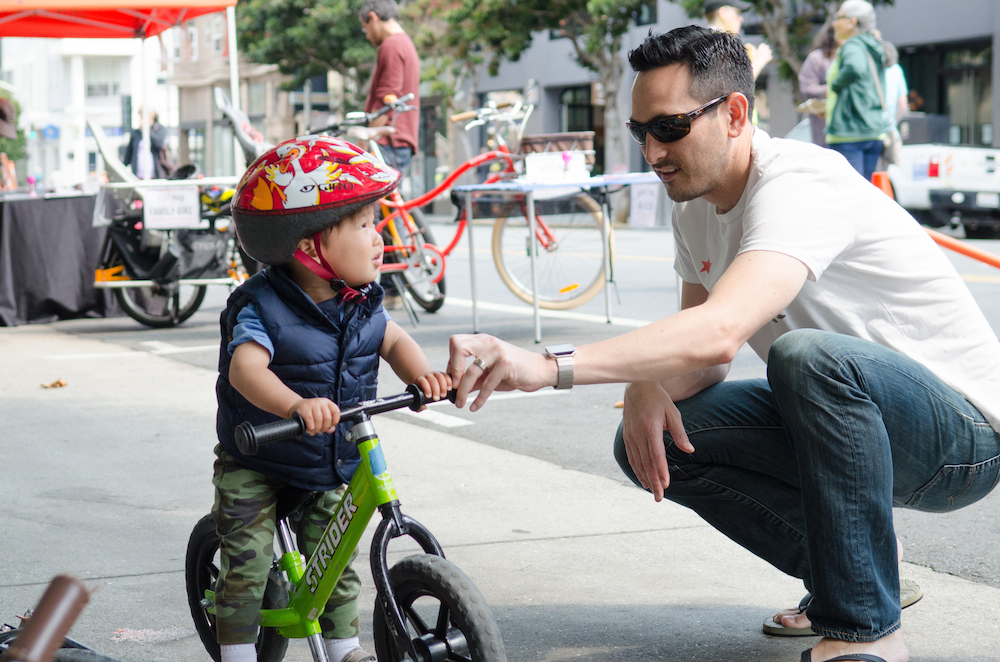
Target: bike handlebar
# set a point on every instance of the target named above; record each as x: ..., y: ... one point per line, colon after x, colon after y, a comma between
x: 399, y: 105
x: 250, y: 438
x: 52, y: 618
x: 472, y: 114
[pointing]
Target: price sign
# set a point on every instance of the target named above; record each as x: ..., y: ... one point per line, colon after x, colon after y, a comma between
x: 171, y: 207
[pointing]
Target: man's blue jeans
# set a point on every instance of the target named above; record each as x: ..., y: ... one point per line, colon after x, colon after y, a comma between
x: 803, y: 468
x: 863, y: 156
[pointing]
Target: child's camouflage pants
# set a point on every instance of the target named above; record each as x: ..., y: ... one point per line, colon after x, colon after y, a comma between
x: 244, y: 512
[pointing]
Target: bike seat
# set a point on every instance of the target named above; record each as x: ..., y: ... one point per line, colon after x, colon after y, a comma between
x: 291, y: 499
x: 367, y: 133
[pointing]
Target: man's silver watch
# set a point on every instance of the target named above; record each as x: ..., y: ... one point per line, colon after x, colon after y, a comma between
x: 563, y: 354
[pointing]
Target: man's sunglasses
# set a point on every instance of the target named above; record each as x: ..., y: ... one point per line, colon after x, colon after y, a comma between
x: 669, y: 128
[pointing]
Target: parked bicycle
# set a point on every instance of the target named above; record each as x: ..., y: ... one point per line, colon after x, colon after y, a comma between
x: 426, y: 609
x: 570, y: 233
x: 160, y: 276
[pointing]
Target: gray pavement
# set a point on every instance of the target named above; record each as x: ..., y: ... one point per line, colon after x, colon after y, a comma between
x: 107, y: 475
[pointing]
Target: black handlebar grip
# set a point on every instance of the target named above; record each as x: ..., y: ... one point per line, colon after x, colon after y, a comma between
x: 249, y: 439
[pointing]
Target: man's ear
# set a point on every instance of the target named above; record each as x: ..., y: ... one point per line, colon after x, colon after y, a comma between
x: 307, y: 246
x: 738, y: 108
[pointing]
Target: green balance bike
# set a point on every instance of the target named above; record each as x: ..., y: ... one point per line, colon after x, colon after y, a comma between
x: 426, y: 609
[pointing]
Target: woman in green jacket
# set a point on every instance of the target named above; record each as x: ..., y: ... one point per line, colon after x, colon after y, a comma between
x: 855, y: 122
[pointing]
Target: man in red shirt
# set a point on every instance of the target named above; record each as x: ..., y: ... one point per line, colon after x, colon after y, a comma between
x: 397, y: 71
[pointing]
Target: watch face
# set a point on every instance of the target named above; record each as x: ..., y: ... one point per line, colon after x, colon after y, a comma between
x: 560, y: 350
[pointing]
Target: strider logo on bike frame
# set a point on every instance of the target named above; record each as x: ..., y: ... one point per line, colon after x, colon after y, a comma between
x: 331, y: 539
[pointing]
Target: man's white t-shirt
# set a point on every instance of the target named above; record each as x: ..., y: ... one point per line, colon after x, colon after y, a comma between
x: 874, y: 273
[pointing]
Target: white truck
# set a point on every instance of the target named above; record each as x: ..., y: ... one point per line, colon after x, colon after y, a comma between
x: 942, y: 184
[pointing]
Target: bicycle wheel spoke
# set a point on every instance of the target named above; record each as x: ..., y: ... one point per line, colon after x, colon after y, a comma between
x: 443, y: 621
x: 414, y: 618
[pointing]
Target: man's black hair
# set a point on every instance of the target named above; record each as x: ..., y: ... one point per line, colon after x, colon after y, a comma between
x: 384, y: 9
x: 717, y: 61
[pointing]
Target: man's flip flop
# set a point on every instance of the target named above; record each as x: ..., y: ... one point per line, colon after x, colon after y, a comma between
x: 857, y: 657
x: 909, y: 594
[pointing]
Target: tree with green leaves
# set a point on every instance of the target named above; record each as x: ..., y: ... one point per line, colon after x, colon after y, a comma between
x: 498, y: 30
x: 789, y: 27
x: 307, y: 38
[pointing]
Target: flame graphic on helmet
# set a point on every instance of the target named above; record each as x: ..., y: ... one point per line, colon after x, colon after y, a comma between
x: 311, y: 172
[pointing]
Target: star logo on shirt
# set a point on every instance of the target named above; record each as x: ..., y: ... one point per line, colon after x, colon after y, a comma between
x: 706, y: 266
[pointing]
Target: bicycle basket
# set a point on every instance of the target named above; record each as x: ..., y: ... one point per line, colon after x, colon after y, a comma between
x: 568, y: 141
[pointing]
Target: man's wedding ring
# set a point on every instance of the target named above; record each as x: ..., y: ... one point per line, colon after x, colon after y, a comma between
x: 482, y: 364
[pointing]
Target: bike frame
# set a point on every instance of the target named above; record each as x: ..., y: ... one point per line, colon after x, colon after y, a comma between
x: 313, y: 581
x: 546, y: 238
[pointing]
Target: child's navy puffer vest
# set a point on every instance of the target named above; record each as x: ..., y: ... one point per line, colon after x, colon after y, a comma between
x: 314, y: 355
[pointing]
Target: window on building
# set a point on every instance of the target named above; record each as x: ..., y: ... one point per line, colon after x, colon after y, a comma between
x: 646, y: 14
x: 953, y: 84
x: 102, y: 76
x: 177, y: 40
x: 577, y: 112
x: 218, y: 38
x: 196, y: 145
x: 193, y: 41
x: 257, y: 99
x: 222, y: 150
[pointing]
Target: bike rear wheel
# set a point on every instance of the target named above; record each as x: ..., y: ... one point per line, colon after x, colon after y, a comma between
x: 570, y: 270
x: 419, y: 277
x: 201, y: 570
x: 446, y: 617
x: 153, y: 306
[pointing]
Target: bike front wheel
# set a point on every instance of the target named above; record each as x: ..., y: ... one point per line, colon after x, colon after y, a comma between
x: 423, y: 266
x: 570, y: 254
x: 201, y: 570
x: 153, y: 306
x: 446, y: 617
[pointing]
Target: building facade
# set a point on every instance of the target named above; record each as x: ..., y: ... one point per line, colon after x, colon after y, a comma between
x: 61, y: 83
x: 946, y: 51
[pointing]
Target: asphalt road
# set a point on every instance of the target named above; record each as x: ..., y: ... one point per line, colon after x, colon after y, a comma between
x: 575, y: 429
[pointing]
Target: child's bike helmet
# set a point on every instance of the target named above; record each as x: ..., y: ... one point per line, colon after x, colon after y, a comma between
x: 301, y: 187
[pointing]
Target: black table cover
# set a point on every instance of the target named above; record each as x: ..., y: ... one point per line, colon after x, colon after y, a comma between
x: 48, y: 253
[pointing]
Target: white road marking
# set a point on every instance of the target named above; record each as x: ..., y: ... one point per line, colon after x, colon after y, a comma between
x: 153, y: 347
x: 510, y: 395
x: 554, y: 314
x: 436, y: 417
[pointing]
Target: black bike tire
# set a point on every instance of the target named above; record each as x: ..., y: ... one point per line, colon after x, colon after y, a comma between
x: 523, y: 290
x: 200, y: 574
x: 423, y: 575
x: 433, y: 303
x: 135, y: 310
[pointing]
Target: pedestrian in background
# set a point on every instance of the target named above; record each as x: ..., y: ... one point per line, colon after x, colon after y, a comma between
x: 812, y: 84
x: 855, y: 122
x: 397, y: 72
x: 727, y: 16
x: 896, y: 90
x: 153, y: 162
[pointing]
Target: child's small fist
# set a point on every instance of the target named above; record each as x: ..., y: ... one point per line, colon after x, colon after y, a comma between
x: 319, y: 414
x: 435, y: 385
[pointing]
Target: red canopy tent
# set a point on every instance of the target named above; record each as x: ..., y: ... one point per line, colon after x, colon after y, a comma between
x: 115, y: 19
x: 100, y: 18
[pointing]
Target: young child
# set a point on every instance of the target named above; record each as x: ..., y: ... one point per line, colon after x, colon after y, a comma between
x: 304, y: 336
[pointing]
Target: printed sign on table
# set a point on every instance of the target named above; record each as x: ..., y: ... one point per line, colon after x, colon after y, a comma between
x: 171, y: 207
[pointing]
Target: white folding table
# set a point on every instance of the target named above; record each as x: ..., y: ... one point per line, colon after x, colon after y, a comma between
x: 528, y: 188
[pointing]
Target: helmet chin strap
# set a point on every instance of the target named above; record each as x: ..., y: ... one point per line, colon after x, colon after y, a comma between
x: 326, y: 272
